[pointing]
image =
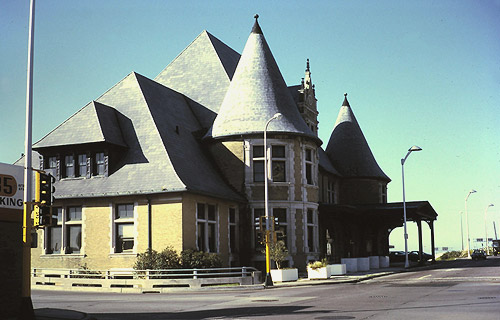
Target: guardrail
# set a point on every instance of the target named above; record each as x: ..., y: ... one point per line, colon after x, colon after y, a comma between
x: 130, y: 280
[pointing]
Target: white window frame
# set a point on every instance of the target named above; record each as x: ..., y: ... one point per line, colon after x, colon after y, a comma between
x: 314, y: 225
x: 116, y: 221
x: 206, y: 222
x: 64, y: 223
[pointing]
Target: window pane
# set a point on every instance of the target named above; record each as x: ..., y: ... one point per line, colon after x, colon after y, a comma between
x: 57, y: 212
x: 308, y: 155
x: 309, y: 173
x: 54, y: 242
x: 201, y: 236
x: 82, y: 165
x: 69, y: 162
x: 280, y: 213
x: 258, y: 171
x: 200, y: 213
x: 258, y: 151
x: 278, y: 168
x: 232, y: 215
x: 99, y: 160
x: 212, y: 237
x: 124, y: 211
x: 74, y: 214
x: 310, y: 216
x: 74, y: 239
x: 52, y: 162
x: 211, y: 212
x: 232, y: 239
x: 124, y: 237
x: 310, y: 238
x: 278, y: 151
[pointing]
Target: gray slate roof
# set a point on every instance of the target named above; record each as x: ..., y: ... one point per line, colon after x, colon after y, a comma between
x: 157, y: 124
x: 202, y: 73
x: 93, y: 123
x: 257, y: 92
x: 348, y: 149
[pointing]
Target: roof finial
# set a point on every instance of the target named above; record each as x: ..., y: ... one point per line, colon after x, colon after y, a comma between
x: 345, y: 103
x: 307, y: 65
x: 256, y: 28
x: 345, y: 94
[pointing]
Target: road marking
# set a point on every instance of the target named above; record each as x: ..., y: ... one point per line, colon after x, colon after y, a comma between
x: 424, y: 277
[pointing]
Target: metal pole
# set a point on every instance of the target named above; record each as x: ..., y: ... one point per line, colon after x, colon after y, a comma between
x: 26, y: 310
x: 407, y: 264
x: 467, y: 223
x: 269, y: 281
x: 486, y: 229
x: 462, y: 230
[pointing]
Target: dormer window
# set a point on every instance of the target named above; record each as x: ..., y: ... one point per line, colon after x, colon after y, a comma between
x: 69, y: 166
x: 82, y: 165
x: 100, y: 163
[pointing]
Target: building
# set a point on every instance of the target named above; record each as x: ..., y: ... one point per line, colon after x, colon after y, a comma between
x: 179, y: 161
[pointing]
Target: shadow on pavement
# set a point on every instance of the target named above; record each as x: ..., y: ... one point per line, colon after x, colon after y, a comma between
x: 243, y: 312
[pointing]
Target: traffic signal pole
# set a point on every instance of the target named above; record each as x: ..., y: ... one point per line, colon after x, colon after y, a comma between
x: 26, y: 306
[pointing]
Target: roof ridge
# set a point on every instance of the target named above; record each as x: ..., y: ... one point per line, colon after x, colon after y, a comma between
x: 183, y: 50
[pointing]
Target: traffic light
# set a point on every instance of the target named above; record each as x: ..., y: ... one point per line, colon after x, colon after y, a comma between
x: 46, y: 188
x: 44, y: 197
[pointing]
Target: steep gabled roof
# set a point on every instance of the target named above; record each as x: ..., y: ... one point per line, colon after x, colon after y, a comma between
x: 156, y: 123
x: 257, y: 92
x: 93, y: 123
x: 202, y: 72
x: 348, y: 149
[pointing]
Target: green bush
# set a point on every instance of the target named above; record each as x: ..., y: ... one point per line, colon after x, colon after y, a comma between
x: 191, y: 259
x: 170, y: 259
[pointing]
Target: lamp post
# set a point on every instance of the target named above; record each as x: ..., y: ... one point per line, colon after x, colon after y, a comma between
x: 486, y: 229
x: 269, y: 281
x: 461, y: 230
x: 467, y: 222
x: 414, y: 148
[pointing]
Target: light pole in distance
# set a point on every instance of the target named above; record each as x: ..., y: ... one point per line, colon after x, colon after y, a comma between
x: 467, y: 222
x: 486, y: 228
x: 414, y: 148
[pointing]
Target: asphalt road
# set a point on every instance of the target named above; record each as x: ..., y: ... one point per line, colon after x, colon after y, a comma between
x: 449, y: 290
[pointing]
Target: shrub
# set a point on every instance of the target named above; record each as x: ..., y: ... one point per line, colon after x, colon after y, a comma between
x: 147, y: 260
x: 317, y: 264
x: 191, y: 259
x: 452, y: 255
x: 168, y: 259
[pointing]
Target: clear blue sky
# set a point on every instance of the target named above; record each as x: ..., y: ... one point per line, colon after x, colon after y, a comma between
x: 417, y: 72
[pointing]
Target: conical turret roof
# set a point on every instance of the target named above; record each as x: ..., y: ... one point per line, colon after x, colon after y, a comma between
x: 256, y: 93
x: 348, y: 149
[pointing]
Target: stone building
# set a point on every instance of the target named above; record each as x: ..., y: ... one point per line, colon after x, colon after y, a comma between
x: 179, y: 161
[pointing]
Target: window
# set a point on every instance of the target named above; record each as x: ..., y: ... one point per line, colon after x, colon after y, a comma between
x: 258, y: 163
x: 233, y: 235
x: 383, y: 193
x: 278, y: 163
x: 206, y: 227
x: 124, y: 228
x: 54, y: 234
x: 330, y: 191
x: 69, y: 163
x: 100, y: 164
x: 73, y: 230
x: 52, y: 163
x: 66, y: 236
x: 309, y: 166
x: 82, y: 165
x: 311, y: 225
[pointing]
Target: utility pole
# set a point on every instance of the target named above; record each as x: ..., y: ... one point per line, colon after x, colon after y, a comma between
x: 26, y: 310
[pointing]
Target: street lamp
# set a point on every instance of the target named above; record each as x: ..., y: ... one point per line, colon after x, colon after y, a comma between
x: 467, y: 222
x: 414, y: 148
x: 269, y: 281
x: 462, y: 230
x: 486, y: 228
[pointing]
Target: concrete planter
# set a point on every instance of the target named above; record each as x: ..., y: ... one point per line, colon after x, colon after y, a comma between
x: 337, y: 269
x: 363, y: 264
x: 318, y: 273
x: 283, y: 275
x: 384, y: 261
x: 351, y: 264
x: 374, y: 262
